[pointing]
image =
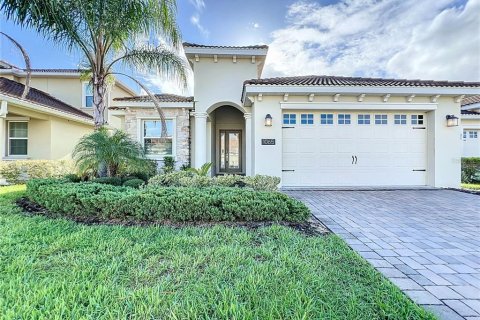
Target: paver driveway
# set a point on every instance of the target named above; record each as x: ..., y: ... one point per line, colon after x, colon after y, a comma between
x: 425, y: 241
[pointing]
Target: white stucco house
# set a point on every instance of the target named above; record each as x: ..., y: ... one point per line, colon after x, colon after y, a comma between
x: 309, y: 130
x: 471, y: 126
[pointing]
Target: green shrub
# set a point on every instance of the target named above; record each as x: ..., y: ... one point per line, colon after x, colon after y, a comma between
x: 471, y: 170
x: 20, y: 171
x: 195, y: 181
x: 190, y: 179
x: 168, y: 164
x: 72, y: 177
x: 228, y: 180
x: 160, y: 204
x: 134, y: 183
x: 114, y: 181
x: 172, y: 179
x: 262, y: 182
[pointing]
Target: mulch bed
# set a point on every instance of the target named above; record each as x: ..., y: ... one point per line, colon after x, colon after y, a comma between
x: 311, y: 228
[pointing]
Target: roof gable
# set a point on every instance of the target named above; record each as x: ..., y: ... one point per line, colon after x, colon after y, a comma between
x: 15, y: 89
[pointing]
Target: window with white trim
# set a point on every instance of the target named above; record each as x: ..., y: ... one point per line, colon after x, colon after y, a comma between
x: 381, y: 119
x: 289, y: 118
x: 17, y: 138
x: 306, y: 118
x: 87, y: 95
x: 400, y: 119
x: 344, y: 118
x: 473, y: 134
x: 417, y: 118
x: 363, y: 119
x: 153, y: 142
x: 326, y: 118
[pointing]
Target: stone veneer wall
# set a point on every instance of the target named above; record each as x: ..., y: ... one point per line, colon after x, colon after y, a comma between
x: 182, y: 123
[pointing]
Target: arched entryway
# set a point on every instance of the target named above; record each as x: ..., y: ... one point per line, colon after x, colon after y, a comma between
x: 228, y: 140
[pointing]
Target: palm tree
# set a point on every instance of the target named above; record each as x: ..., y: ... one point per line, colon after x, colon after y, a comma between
x: 108, y: 33
x: 113, y: 151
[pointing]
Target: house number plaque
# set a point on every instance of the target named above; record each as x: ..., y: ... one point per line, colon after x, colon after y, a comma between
x: 268, y: 142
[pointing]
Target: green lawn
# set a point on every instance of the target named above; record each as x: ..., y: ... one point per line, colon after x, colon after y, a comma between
x: 56, y: 269
x: 471, y: 186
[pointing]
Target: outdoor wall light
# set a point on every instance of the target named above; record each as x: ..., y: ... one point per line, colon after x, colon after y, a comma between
x: 452, y: 121
x: 268, y: 120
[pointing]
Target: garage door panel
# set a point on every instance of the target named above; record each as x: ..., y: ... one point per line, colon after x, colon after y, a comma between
x: 321, y: 155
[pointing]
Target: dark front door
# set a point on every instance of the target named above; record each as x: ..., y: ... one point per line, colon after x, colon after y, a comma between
x: 230, y: 151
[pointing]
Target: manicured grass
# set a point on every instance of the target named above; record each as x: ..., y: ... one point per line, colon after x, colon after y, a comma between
x: 471, y: 186
x: 57, y: 269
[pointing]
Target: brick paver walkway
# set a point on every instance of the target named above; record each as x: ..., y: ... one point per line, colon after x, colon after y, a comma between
x: 427, y: 242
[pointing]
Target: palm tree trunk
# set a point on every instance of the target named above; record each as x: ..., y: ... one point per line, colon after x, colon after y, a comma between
x: 99, y: 100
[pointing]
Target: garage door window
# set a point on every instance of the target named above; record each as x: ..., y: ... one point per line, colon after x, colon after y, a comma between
x: 381, y: 119
x: 326, y: 118
x: 400, y: 119
x: 473, y: 134
x: 363, y: 119
x: 289, y: 118
x: 417, y: 118
x: 344, y: 119
x: 306, y: 118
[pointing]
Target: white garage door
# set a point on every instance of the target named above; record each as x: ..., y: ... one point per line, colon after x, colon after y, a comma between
x: 354, y: 148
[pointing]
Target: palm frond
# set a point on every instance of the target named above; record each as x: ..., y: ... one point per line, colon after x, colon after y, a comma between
x: 155, y: 101
x: 114, y: 149
x: 160, y: 59
x: 26, y: 58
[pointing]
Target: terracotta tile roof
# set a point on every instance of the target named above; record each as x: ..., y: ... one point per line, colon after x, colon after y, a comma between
x: 164, y: 97
x: 195, y: 45
x: 471, y: 100
x: 356, y: 81
x: 15, y: 89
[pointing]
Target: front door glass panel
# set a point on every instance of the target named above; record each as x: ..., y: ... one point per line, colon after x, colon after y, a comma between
x: 230, y: 151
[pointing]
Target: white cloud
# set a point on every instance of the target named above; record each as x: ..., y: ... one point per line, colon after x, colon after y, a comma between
x: 198, y: 4
x: 195, y: 20
x: 254, y: 25
x: 163, y: 85
x: 397, y: 38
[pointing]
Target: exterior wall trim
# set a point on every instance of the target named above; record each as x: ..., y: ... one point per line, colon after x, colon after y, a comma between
x: 280, y: 90
x: 358, y: 106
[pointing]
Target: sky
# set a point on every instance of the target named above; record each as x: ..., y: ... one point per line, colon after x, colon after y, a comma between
x: 414, y: 39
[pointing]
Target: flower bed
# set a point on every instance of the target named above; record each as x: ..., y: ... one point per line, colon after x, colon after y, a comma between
x: 164, y: 203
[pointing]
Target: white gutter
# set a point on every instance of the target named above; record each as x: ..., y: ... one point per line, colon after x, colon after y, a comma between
x: 44, y: 109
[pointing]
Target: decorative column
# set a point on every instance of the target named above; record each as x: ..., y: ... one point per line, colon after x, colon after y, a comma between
x: 3, y: 129
x: 200, y: 138
x: 248, y: 144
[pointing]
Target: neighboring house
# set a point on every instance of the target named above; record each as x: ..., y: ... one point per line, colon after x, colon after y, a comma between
x: 309, y: 130
x: 471, y: 126
x: 52, y: 118
x: 39, y: 126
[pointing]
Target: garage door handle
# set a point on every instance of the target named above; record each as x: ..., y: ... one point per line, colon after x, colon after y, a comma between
x: 288, y: 170
x: 419, y: 170
x: 353, y: 159
x: 356, y: 159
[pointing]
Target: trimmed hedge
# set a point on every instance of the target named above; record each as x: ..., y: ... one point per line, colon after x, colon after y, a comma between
x: 189, y: 179
x: 19, y: 171
x: 179, y: 204
x: 471, y: 170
